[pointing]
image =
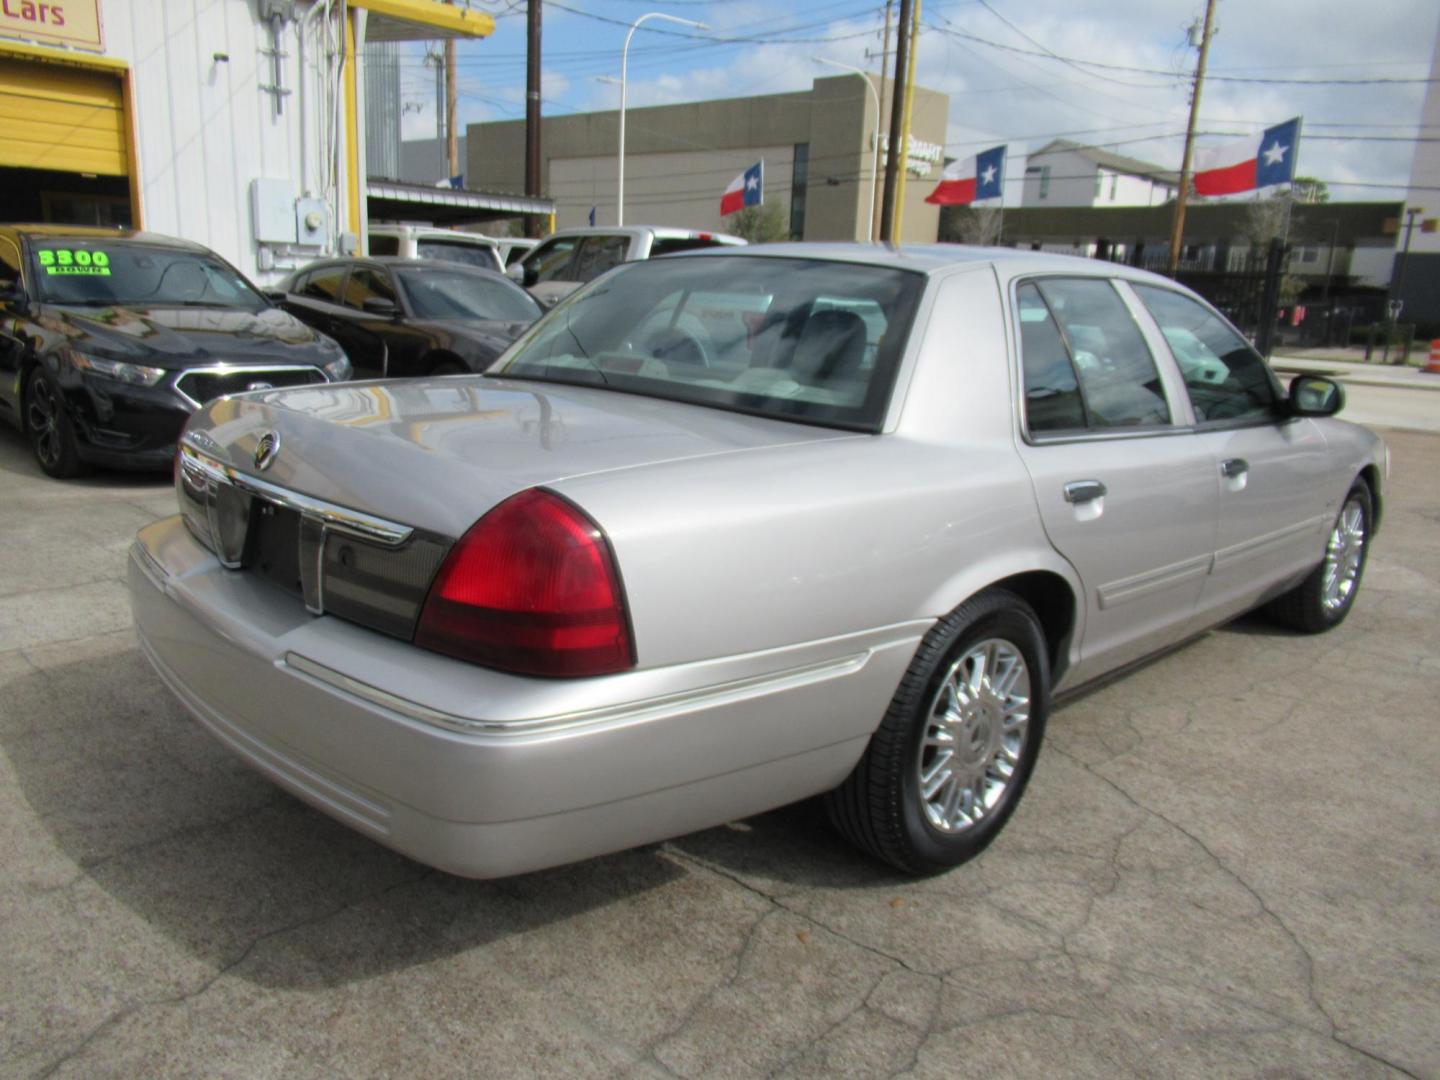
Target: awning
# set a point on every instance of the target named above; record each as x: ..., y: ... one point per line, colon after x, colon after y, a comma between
x: 422, y: 20
x: 391, y: 200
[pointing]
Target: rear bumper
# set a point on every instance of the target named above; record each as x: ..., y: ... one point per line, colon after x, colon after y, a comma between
x: 484, y: 774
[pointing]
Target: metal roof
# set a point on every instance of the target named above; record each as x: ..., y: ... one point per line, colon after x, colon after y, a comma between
x: 1107, y: 160
x: 457, y: 199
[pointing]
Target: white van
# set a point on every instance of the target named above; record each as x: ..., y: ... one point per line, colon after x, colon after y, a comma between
x: 428, y: 242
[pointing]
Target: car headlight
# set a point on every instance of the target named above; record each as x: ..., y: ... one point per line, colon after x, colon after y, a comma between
x: 337, y: 370
x: 119, y: 370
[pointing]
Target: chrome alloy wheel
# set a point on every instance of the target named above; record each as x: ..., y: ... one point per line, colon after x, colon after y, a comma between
x: 1342, y: 557
x: 974, y: 736
x: 42, y: 420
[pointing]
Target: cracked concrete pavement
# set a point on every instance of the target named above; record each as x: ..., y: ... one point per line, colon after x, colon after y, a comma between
x: 1226, y: 864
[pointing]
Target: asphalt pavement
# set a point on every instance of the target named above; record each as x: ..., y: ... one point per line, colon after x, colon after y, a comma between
x: 1227, y: 864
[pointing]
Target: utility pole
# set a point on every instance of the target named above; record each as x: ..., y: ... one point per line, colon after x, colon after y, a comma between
x: 1177, y: 225
x: 909, y: 95
x: 875, y: 181
x: 452, y: 144
x: 532, y: 111
x: 893, y: 160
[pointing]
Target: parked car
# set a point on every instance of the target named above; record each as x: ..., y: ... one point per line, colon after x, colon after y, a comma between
x: 512, y: 249
x: 705, y: 543
x: 567, y: 259
x: 111, y: 338
x: 429, y: 242
x: 401, y: 317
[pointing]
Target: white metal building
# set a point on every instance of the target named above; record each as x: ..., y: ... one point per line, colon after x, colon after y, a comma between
x: 234, y: 123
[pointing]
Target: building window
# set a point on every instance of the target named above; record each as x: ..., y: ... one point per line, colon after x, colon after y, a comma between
x: 1044, y: 181
x: 1099, y: 184
x: 1114, y: 185
x: 799, y: 177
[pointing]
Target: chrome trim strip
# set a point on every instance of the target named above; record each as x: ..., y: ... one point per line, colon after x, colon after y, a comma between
x: 339, y: 518
x: 240, y: 369
x: 1152, y: 581
x: 631, y: 712
x: 1227, y: 557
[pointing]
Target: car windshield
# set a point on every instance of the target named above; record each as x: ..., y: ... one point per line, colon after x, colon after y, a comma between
x: 448, y: 294
x: 796, y: 339
x: 111, y: 272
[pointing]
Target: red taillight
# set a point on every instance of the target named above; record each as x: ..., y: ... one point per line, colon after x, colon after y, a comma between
x: 531, y: 588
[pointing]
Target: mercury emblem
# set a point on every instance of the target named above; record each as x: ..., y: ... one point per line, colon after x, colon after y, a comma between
x: 266, y: 450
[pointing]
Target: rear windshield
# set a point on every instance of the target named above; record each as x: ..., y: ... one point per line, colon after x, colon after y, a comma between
x: 458, y: 251
x: 796, y: 339
x: 669, y: 245
x: 443, y: 294
x: 110, y: 272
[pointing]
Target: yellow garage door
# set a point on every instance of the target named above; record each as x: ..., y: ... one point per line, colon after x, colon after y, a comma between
x: 58, y: 117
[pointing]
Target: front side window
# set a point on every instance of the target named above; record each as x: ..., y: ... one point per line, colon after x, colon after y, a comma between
x: 109, y: 272
x: 598, y: 254
x: 9, y: 263
x: 1225, y: 378
x: 794, y: 339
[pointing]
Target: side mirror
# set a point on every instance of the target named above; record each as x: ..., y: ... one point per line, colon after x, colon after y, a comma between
x: 516, y: 272
x: 378, y: 305
x: 1315, y: 395
x: 275, y: 296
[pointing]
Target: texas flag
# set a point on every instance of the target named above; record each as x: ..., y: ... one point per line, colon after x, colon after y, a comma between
x: 1245, y: 164
x: 747, y: 189
x: 971, y: 179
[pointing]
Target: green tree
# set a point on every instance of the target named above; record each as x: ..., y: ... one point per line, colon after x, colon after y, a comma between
x: 763, y: 224
x: 1310, y: 190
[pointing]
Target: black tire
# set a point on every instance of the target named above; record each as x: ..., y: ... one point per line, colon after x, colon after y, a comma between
x: 1313, y: 606
x: 49, y: 429
x: 449, y: 367
x: 880, y: 807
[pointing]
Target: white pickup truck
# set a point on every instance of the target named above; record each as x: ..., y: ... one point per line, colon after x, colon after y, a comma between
x: 565, y: 260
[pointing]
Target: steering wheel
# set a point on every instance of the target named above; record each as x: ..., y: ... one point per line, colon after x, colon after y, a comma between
x: 676, y: 345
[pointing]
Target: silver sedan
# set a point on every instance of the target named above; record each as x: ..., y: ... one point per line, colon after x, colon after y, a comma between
x: 732, y: 529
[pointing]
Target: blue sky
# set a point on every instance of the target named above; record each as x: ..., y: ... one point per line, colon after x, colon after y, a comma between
x: 988, y: 56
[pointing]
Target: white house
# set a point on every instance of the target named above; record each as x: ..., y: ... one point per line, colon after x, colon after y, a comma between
x: 1064, y: 173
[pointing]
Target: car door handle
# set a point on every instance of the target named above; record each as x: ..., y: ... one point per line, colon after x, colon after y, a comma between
x: 1081, y: 491
x: 1235, y: 466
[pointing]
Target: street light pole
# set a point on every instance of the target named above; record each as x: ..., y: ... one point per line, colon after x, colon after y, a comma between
x: 875, y: 152
x: 624, y: 63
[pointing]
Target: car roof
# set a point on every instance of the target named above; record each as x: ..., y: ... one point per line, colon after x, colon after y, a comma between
x: 434, y: 231
x: 91, y: 232
x: 932, y: 258
x: 667, y: 232
x: 398, y: 262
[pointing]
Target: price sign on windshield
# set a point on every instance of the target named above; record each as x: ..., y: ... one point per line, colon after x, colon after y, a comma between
x: 79, y: 261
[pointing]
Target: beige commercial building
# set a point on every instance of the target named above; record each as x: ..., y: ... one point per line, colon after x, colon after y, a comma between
x: 817, y: 147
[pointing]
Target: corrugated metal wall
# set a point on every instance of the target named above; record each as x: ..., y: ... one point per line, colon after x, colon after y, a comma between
x: 382, y: 110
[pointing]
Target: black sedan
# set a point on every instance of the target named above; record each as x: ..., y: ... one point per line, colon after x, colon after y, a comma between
x: 399, y: 317
x: 110, y: 339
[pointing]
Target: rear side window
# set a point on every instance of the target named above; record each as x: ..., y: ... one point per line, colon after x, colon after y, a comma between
x: 458, y: 251
x: 1052, y: 392
x: 327, y: 285
x: 1118, y: 381
x: 366, y: 284
x: 1224, y: 377
x: 384, y: 245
